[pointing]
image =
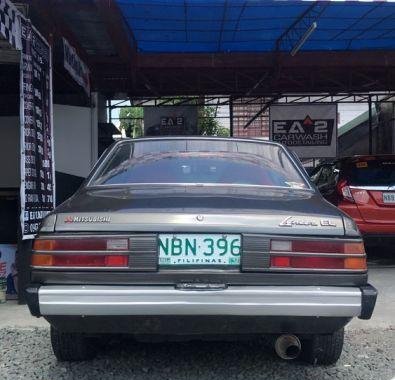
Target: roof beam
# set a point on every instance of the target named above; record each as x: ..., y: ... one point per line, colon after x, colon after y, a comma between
x: 366, y: 58
x: 298, y: 28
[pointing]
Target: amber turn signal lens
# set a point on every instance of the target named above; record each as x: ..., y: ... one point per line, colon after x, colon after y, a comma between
x: 355, y: 263
x: 38, y: 260
x: 44, y: 245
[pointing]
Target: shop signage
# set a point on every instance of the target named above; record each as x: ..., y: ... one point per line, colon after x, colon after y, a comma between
x: 37, y: 164
x: 75, y: 66
x: 310, y: 130
x: 170, y: 120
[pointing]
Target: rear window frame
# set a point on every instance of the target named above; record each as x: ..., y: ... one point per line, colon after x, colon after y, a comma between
x: 108, y: 154
x: 349, y: 165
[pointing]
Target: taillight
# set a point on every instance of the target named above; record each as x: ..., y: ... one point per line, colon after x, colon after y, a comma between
x: 80, y: 252
x: 344, y: 190
x: 84, y: 261
x: 317, y: 254
x: 81, y: 244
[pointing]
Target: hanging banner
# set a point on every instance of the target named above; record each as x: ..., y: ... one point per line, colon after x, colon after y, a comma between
x: 75, y: 66
x: 9, y: 24
x: 37, y: 163
x: 310, y: 130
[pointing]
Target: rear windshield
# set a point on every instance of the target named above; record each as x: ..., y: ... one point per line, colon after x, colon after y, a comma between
x: 199, y: 162
x: 371, y: 172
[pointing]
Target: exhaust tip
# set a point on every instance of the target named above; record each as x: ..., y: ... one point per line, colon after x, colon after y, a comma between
x: 288, y: 347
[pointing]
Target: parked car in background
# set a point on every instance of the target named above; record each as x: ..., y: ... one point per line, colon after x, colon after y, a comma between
x: 364, y: 188
x: 200, y: 236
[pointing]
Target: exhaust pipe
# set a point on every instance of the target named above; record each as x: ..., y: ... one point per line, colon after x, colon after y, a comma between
x: 288, y: 346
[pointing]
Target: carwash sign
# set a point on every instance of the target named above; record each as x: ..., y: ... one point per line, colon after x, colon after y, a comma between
x: 310, y: 130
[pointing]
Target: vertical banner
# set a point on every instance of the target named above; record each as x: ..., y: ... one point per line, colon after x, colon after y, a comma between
x: 310, y: 130
x: 37, y: 163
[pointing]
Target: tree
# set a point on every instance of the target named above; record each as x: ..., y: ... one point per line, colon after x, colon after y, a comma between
x: 131, y: 121
x: 208, y: 124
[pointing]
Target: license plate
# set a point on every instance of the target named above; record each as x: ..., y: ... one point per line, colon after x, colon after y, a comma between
x: 199, y: 249
x: 389, y: 197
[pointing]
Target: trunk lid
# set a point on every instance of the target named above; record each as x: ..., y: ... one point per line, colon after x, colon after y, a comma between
x: 194, y: 209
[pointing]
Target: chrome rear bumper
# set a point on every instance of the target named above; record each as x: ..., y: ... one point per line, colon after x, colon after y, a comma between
x: 312, y: 301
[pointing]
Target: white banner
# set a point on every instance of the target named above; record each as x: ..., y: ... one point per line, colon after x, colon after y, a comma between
x: 75, y: 66
x: 310, y: 130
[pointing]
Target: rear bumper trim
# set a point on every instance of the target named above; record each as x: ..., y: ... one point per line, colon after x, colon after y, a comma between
x: 78, y: 300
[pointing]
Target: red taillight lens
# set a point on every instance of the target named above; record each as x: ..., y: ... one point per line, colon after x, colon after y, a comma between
x: 84, y: 261
x: 317, y: 246
x: 317, y: 254
x: 307, y: 262
x: 344, y: 190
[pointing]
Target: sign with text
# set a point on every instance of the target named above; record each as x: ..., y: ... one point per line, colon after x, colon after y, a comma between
x: 75, y: 66
x: 37, y: 164
x: 310, y: 130
x: 170, y: 120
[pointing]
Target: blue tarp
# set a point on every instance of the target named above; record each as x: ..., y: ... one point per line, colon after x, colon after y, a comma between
x: 207, y: 26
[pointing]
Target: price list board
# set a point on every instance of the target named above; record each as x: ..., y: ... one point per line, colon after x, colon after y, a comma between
x: 37, y: 164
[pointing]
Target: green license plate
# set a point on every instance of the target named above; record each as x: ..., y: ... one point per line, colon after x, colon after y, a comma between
x: 199, y: 249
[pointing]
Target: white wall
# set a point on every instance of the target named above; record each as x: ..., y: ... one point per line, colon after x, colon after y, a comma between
x: 75, y: 151
x: 9, y: 151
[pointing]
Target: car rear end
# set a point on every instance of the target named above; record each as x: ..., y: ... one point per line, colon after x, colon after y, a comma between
x: 197, y: 260
x: 367, y: 189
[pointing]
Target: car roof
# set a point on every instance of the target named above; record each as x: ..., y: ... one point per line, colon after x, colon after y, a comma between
x: 213, y: 138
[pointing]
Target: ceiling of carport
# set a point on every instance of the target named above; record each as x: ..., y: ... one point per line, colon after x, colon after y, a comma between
x: 234, y: 47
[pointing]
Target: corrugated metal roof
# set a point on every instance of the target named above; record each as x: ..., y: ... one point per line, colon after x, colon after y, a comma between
x: 255, y: 25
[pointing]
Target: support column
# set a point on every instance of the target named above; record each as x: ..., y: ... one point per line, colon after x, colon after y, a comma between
x: 370, y: 126
x: 231, y: 117
x: 95, y: 109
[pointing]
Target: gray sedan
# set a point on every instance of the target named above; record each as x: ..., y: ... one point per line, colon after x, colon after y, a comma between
x: 194, y: 237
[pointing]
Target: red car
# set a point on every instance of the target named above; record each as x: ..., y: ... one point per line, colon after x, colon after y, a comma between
x: 364, y: 188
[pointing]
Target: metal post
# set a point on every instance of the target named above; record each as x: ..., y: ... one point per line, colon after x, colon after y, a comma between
x: 109, y: 111
x: 370, y: 126
x: 231, y: 116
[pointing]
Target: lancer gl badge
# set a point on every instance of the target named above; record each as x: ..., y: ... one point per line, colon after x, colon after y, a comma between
x: 291, y: 221
x: 87, y: 219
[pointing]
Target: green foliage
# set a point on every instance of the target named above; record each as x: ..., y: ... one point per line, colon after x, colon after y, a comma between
x: 208, y: 125
x: 131, y: 121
